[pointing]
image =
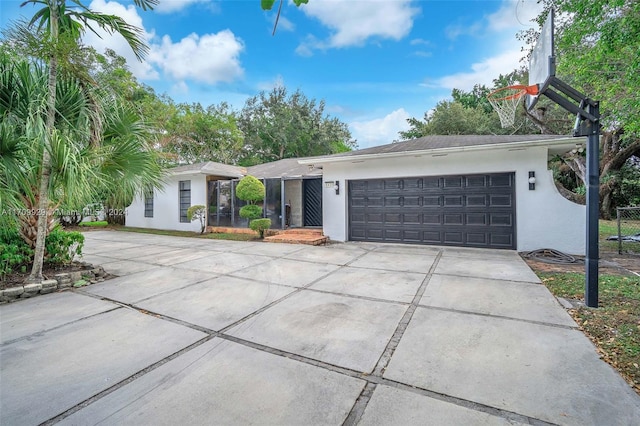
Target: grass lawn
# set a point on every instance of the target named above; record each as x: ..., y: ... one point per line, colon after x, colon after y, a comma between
x: 97, y: 224
x: 210, y: 236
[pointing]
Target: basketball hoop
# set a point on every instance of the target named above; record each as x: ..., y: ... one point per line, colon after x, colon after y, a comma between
x: 506, y: 100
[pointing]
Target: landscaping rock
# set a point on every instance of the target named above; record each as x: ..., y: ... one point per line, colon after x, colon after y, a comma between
x: 13, y: 292
x: 49, y: 286
x: 31, y: 290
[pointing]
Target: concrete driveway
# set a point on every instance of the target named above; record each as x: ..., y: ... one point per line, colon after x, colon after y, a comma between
x: 223, y: 332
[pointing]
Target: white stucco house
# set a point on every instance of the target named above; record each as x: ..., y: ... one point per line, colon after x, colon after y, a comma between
x: 459, y: 190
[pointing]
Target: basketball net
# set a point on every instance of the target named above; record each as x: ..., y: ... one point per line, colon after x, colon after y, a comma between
x: 506, y: 100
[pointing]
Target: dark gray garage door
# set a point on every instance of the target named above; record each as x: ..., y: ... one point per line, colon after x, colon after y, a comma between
x: 470, y: 210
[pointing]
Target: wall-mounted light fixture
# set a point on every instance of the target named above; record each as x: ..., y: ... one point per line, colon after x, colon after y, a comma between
x: 337, y: 187
x: 532, y: 181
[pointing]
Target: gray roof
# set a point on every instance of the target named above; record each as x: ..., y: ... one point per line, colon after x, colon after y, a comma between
x: 289, y: 167
x: 446, y: 141
x: 211, y: 168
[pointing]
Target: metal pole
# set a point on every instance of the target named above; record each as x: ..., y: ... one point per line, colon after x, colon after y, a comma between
x: 593, y: 213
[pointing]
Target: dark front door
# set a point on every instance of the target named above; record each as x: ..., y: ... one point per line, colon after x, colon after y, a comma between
x: 312, y: 206
x: 468, y: 210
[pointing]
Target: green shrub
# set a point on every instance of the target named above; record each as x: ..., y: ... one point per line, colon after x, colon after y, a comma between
x: 250, y: 211
x: 260, y: 225
x: 250, y: 189
x: 62, y: 246
x: 15, y: 254
x: 198, y: 212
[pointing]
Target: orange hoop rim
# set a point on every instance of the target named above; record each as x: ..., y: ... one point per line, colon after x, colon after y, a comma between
x: 521, y: 91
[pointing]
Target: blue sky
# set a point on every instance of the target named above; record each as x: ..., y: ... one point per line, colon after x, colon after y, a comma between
x: 374, y: 62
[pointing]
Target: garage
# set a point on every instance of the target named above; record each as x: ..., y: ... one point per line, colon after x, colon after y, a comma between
x: 459, y: 210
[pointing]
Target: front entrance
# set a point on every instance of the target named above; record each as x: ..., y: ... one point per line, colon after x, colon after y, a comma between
x: 312, y: 202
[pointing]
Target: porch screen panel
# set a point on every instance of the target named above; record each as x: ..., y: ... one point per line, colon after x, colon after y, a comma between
x: 212, y: 197
x: 273, y: 201
x: 224, y: 206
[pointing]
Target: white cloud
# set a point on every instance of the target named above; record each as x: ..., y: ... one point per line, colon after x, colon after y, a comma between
x: 353, y: 23
x: 193, y: 57
x: 502, y: 25
x: 170, y: 6
x: 267, y: 86
x: 190, y: 58
x: 380, y: 131
x: 142, y: 70
x: 483, y: 72
x: 180, y: 88
x: 514, y: 14
x: 284, y: 24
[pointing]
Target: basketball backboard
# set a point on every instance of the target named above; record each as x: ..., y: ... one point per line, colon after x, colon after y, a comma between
x: 542, y: 60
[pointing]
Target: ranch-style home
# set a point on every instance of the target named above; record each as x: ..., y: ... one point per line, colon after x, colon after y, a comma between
x: 456, y: 190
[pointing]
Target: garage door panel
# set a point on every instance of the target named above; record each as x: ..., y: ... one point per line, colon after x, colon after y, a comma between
x: 475, y: 181
x: 374, y: 201
x: 432, y: 201
x: 392, y: 201
x: 502, y: 240
x: 453, y: 219
x: 500, y: 200
x: 413, y: 185
x: 412, y: 201
x: 374, y: 218
x: 393, y: 218
x: 453, y: 182
x: 501, y: 219
x: 412, y: 218
x: 476, y: 219
x: 454, y: 238
x: 477, y: 238
x: 469, y: 210
x: 432, y: 219
x: 358, y: 201
x: 431, y: 237
x: 477, y: 200
x: 501, y: 180
x: 453, y: 201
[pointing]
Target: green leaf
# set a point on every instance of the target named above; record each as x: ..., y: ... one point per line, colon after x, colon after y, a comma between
x: 267, y: 4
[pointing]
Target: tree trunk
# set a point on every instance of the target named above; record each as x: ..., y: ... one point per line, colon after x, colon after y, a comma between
x: 45, y: 174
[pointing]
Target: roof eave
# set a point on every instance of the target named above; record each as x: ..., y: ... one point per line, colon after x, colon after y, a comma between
x: 565, y: 140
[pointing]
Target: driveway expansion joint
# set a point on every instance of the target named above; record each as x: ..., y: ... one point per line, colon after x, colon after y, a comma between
x: 504, y: 317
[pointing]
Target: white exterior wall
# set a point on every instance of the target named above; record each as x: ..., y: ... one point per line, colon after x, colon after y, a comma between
x: 544, y: 218
x: 166, y: 205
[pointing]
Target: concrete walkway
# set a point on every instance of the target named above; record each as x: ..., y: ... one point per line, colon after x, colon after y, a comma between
x: 221, y: 332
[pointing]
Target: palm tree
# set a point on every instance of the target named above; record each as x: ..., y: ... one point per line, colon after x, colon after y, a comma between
x: 122, y: 165
x: 64, y: 21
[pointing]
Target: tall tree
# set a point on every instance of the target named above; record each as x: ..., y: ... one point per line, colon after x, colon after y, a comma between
x: 62, y: 23
x: 277, y: 125
x: 598, y: 53
x: 194, y: 134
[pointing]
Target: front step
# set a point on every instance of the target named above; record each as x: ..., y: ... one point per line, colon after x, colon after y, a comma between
x: 312, y: 237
